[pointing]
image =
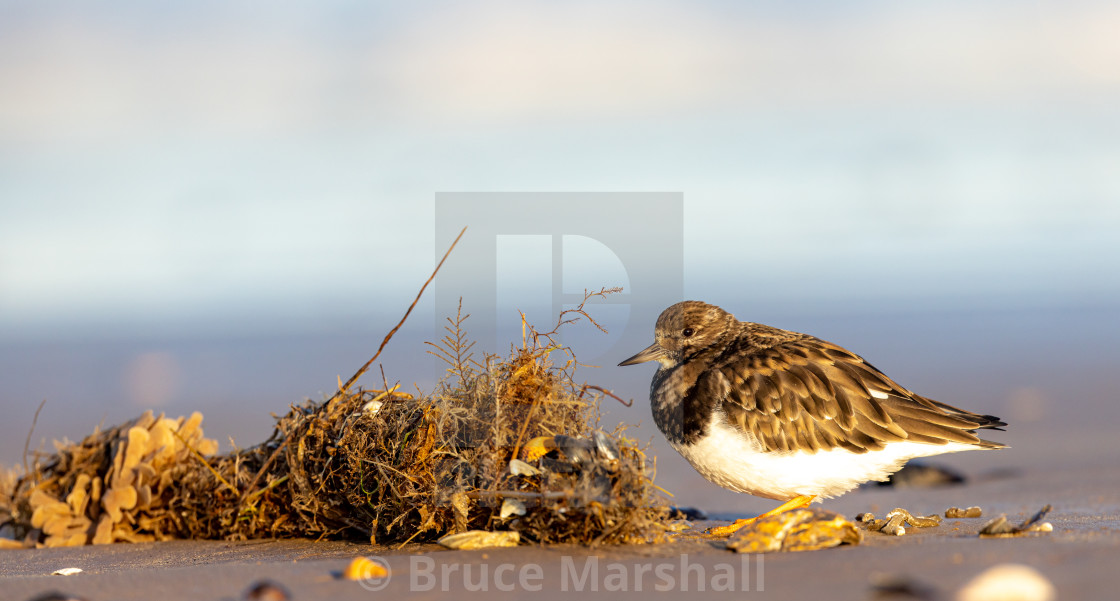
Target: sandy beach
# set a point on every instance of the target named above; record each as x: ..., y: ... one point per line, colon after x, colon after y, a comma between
x: 1078, y: 557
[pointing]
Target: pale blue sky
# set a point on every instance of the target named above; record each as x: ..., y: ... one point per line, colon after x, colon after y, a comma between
x: 173, y: 168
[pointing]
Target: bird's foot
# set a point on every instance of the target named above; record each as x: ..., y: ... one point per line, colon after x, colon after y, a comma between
x: 732, y: 528
x: 794, y: 503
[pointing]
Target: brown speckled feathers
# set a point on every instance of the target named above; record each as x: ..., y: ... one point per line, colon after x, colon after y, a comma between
x: 795, y: 392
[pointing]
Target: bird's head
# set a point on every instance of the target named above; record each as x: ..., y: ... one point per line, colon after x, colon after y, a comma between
x: 683, y: 329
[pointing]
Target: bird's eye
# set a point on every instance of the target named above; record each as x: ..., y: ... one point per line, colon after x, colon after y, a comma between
x: 688, y: 332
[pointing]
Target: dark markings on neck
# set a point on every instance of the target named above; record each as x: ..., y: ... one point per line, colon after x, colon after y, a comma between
x: 682, y: 404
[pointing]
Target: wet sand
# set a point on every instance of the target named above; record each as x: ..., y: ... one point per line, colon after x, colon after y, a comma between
x: 1080, y: 556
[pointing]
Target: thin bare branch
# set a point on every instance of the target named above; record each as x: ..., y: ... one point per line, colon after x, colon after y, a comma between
x: 27, y: 443
x: 346, y: 387
x: 606, y: 392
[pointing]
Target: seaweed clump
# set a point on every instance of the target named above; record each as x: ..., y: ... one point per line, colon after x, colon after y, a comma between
x: 501, y: 444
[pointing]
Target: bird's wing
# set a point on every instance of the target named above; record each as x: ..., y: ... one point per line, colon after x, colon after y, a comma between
x: 808, y: 394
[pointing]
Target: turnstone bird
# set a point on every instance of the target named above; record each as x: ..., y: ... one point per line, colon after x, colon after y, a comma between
x: 788, y: 416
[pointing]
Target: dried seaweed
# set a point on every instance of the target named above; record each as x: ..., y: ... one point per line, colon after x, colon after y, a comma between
x: 380, y: 465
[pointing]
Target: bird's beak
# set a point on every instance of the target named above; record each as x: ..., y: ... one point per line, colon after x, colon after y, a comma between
x: 652, y: 352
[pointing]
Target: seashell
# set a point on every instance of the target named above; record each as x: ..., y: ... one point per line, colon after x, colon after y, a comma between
x: 364, y: 568
x: 997, y: 526
x: 518, y: 467
x: 512, y: 507
x: 569, y: 455
x: 606, y: 447
x: 576, y: 450
x: 537, y: 447
x: 1001, y: 528
x: 795, y: 530
x: 480, y: 539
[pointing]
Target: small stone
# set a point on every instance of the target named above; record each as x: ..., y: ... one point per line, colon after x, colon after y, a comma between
x: 1008, y: 582
x: 957, y: 512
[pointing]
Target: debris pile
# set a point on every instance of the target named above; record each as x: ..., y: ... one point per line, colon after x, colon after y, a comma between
x: 115, y: 485
x: 500, y: 445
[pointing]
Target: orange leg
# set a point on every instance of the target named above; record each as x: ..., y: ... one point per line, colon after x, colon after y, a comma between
x: 794, y: 503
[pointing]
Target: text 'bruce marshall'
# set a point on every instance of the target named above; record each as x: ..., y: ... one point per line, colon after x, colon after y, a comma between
x: 588, y: 574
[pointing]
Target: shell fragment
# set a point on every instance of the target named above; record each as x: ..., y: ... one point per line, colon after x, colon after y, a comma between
x: 512, y: 507
x: 480, y: 539
x: 518, y: 467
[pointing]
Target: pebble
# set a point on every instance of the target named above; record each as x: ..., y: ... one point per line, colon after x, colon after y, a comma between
x: 1008, y: 582
x: 957, y: 512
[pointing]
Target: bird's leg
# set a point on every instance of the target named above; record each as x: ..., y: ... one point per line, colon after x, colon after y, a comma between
x: 794, y: 503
